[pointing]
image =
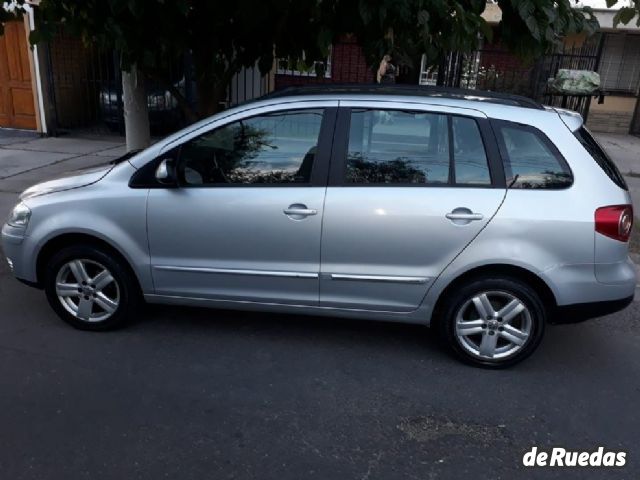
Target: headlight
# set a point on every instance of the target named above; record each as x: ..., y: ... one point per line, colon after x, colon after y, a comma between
x: 19, y: 216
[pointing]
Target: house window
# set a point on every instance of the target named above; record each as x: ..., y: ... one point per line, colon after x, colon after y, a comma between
x: 620, y: 63
x: 319, y: 68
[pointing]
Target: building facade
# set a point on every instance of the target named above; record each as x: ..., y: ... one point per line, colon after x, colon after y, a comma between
x: 65, y: 85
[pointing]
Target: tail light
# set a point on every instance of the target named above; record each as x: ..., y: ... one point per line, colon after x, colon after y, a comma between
x: 615, y: 221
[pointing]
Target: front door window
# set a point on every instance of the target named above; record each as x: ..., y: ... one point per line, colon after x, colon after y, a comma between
x: 277, y: 148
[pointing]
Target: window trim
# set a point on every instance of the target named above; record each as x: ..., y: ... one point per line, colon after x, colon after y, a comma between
x: 338, y: 170
x: 321, y: 162
x: 610, y: 169
x: 497, y: 125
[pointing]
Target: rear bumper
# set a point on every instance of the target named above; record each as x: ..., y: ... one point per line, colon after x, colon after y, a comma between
x: 580, y: 312
x: 577, y: 284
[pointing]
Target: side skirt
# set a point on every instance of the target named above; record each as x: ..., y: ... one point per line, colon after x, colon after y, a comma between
x: 419, y: 316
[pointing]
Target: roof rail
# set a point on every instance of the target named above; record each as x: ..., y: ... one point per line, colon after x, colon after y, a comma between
x: 413, y: 90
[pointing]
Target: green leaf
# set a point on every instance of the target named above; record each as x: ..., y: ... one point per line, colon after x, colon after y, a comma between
x: 550, y: 13
x: 525, y: 9
x: 624, y: 16
x: 423, y: 17
x: 366, y: 14
x: 549, y: 35
x: 325, y: 37
x: 486, y: 29
x: 35, y: 37
x: 533, y: 27
x: 611, y: 3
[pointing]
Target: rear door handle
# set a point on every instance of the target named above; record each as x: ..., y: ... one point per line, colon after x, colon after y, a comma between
x: 464, y: 216
x: 298, y: 211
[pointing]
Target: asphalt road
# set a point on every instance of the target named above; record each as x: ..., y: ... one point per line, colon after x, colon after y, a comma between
x: 194, y: 394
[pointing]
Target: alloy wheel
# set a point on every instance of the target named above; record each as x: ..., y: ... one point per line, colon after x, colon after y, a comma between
x: 87, y: 290
x: 493, y: 325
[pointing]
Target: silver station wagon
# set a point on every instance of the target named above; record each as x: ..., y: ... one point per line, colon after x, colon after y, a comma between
x: 483, y: 215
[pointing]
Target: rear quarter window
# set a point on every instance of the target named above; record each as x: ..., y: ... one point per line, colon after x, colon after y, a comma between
x: 600, y: 156
x: 531, y: 160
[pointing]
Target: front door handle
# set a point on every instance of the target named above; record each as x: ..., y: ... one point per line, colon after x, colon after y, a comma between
x: 299, y: 211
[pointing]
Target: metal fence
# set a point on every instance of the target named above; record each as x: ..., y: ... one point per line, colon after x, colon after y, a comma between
x: 84, y: 89
x: 492, y: 68
x: 85, y: 86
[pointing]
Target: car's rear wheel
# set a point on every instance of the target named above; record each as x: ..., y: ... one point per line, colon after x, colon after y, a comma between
x: 493, y: 322
x: 89, y: 288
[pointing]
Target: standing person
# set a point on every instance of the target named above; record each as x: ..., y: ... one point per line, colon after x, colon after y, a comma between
x: 386, y: 71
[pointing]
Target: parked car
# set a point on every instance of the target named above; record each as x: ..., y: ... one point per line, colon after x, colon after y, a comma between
x: 165, y: 114
x: 483, y: 215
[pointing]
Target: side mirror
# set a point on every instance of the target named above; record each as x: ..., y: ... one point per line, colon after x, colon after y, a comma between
x: 166, y: 172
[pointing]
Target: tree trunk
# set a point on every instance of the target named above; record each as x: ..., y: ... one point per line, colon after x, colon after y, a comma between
x: 213, y: 79
x: 211, y: 96
x: 136, y: 110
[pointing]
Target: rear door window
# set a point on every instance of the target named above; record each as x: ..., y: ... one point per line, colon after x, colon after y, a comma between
x: 398, y: 147
x: 531, y: 161
x: 470, y: 157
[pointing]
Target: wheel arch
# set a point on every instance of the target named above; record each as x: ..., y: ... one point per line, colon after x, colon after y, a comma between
x: 540, y: 286
x: 63, y: 240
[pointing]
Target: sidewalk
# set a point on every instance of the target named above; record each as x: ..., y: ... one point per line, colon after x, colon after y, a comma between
x: 624, y: 149
x: 625, y: 152
x: 25, y: 156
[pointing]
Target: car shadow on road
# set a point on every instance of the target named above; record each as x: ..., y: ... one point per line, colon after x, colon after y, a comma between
x: 290, y: 328
x: 577, y: 347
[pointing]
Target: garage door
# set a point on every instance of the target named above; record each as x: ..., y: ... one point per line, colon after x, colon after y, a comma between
x: 17, y: 108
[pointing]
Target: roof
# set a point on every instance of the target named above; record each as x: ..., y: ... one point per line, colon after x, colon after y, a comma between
x: 407, y: 90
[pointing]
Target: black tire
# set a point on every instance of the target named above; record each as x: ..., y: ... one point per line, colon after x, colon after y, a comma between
x: 123, y: 286
x: 532, y: 320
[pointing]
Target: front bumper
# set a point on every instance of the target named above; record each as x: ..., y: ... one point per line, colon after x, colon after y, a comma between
x: 13, y: 243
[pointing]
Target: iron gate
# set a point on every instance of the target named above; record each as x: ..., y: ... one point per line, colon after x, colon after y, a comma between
x: 493, y: 68
x: 84, y: 86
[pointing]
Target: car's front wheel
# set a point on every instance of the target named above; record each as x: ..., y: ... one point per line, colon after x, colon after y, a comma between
x: 493, y: 322
x: 90, y: 288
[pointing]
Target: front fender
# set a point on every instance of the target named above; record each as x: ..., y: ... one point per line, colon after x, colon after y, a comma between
x: 113, y: 214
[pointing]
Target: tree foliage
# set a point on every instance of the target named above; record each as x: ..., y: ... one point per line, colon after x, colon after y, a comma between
x: 224, y: 36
